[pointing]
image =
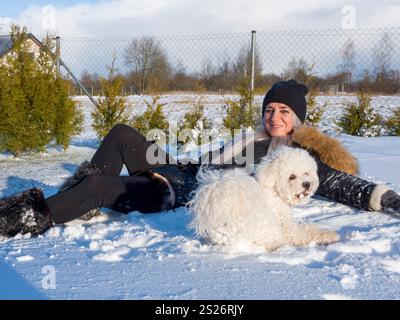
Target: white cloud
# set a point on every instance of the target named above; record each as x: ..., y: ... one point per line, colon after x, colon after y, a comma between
x: 162, y: 17
x: 131, y: 18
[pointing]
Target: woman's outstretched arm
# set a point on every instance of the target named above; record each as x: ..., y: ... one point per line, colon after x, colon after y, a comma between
x: 354, y: 191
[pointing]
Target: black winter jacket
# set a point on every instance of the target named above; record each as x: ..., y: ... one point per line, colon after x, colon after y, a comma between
x: 334, y: 184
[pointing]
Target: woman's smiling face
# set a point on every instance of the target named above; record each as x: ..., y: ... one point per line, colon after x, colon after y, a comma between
x: 278, y: 119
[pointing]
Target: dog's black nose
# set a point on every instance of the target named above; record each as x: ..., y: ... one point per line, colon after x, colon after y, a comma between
x: 306, y: 185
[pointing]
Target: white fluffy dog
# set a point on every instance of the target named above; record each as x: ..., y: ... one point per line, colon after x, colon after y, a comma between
x: 234, y: 208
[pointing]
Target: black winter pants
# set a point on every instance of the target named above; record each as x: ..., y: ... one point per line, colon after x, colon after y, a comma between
x: 122, y: 145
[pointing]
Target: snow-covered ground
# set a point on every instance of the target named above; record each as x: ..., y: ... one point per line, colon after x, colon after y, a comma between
x: 156, y: 256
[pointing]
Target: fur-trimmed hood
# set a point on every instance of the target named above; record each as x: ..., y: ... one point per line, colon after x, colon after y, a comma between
x: 328, y: 149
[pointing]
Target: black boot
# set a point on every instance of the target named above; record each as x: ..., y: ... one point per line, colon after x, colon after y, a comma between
x: 85, y: 169
x: 25, y: 212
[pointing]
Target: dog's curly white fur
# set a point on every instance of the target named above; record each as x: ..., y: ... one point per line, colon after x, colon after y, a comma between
x: 234, y: 208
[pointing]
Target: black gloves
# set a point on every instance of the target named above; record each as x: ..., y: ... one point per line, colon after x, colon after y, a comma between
x: 390, y: 202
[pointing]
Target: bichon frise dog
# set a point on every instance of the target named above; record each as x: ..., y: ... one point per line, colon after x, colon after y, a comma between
x: 234, y: 208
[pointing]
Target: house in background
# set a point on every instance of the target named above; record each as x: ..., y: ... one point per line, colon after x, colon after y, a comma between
x: 35, y: 47
x: 34, y: 44
x: 5, y: 45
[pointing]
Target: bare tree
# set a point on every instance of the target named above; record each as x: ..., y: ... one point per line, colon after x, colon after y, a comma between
x: 382, y: 57
x: 297, y: 69
x: 181, y: 80
x: 207, y: 74
x: 207, y: 69
x: 149, y: 62
x: 242, y: 65
x: 225, y: 76
x: 348, y: 65
x: 90, y: 81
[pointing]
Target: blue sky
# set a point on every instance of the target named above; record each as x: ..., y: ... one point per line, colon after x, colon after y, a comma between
x: 171, y: 17
x: 13, y: 8
x: 133, y: 18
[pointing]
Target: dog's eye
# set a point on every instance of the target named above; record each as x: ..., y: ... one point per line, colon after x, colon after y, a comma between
x: 292, y: 177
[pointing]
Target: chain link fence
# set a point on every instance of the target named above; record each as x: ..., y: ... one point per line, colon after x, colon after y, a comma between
x: 337, y: 64
x: 210, y: 69
x: 189, y: 60
x: 338, y: 60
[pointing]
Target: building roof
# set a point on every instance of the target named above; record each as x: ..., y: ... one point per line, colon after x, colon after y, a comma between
x: 5, y: 45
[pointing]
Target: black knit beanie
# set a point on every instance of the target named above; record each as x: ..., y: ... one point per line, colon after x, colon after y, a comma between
x: 290, y: 93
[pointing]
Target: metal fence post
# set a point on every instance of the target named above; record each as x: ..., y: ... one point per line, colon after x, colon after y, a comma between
x: 253, y: 58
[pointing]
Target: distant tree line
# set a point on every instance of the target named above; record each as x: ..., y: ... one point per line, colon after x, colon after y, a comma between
x: 152, y: 73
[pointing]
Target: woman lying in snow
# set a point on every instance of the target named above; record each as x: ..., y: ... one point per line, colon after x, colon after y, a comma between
x: 167, y: 185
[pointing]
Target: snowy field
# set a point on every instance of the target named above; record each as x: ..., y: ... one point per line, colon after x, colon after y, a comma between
x: 156, y: 256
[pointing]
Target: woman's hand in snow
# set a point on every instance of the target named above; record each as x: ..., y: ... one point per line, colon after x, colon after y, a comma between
x: 390, y: 202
